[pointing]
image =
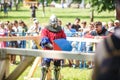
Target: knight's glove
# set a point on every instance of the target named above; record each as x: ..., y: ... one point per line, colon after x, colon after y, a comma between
x: 45, y: 43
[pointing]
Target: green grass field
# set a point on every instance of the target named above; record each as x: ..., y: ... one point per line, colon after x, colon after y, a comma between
x: 66, y: 15
x: 66, y: 72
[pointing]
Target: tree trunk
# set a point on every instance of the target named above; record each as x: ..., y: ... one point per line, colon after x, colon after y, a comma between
x: 16, y: 6
x: 92, y: 16
x: 118, y: 9
x: 43, y: 8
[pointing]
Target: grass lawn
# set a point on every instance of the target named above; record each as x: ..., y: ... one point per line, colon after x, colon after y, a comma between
x: 66, y: 72
x: 66, y: 15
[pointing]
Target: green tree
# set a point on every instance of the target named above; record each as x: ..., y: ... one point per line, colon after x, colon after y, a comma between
x: 77, y: 1
x: 103, y: 5
x: 106, y: 5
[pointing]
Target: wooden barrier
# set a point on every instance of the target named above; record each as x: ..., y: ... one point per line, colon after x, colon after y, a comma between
x: 43, y: 53
x: 38, y: 38
x: 49, y: 53
x: 13, y: 38
x: 83, y: 39
x: 31, y: 54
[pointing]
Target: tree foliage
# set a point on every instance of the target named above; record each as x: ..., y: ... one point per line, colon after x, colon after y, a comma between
x: 77, y: 1
x: 103, y: 5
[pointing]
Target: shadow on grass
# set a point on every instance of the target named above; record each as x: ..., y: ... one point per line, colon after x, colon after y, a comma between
x: 75, y: 16
x: 26, y: 10
x: 14, y: 17
x: 85, y: 16
x: 20, y: 17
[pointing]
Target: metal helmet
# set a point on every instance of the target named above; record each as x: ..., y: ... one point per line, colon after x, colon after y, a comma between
x: 53, y: 24
x: 53, y: 20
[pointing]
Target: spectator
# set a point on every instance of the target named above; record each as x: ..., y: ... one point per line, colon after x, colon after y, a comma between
x: 107, y: 58
x: 111, y: 31
x: 23, y: 32
x: 110, y: 24
x: 84, y: 27
x: 99, y: 30
x: 22, y: 28
x: 15, y: 25
x: 10, y: 5
x: 15, y: 28
x: 33, y: 11
x: 76, y: 24
x: 83, y: 24
x: 12, y: 44
x: 2, y: 33
x: 5, y: 7
x: 34, y: 30
x: 60, y: 24
x: 62, y: 3
x: 91, y: 27
x: 70, y: 32
x: 116, y: 24
x: 104, y: 24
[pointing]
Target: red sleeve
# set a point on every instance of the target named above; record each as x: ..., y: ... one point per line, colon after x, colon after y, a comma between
x: 63, y: 34
x: 44, y: 33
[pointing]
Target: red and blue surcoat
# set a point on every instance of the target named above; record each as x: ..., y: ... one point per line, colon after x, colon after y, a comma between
x: 52, y: 35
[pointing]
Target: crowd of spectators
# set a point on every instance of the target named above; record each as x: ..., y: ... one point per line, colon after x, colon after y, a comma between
x: 76, y: 29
